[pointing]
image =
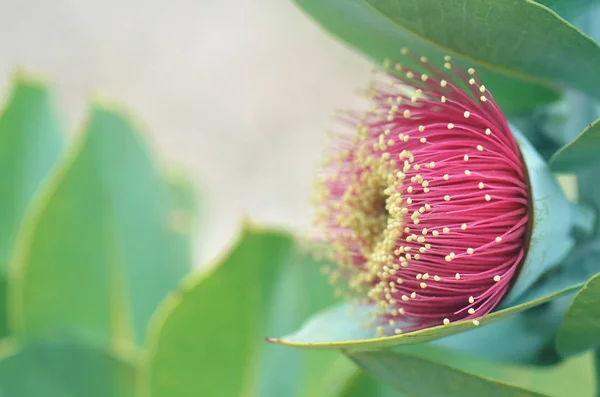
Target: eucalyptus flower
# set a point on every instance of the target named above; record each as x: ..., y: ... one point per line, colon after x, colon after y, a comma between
x: 430, y: 206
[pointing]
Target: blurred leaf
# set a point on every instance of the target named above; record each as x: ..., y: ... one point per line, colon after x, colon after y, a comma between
x: 342, y: 327
x: 363, y: 28
x: 102, y: 249
x: 516, y: 37
x: 30, y: 144
x: 423, y: 377
x: 216, y: 324
x: 568, y: 8
x: 580, y: 329
x: 581, y: 152
x: 362, y: 385
x: 61, y: 370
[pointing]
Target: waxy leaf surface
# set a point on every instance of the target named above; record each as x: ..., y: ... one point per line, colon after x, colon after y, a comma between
x: 344, y: 327
x: 515, y: 37
x: 30, y: 143
x: 422, y: 377
x: 581, y: 152
x: 62, y: 370
x: 580, y: 329
x: 216, y: 324
x: 103, y: 246
x: 359, y: 25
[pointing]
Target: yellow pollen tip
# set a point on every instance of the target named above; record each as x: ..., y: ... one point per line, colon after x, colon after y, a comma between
x: 450, y: 126
x: 423, y: 59
x: 406, y: 113
x: 446, y: 321
x: 480, y: 185
x: 482, y: 89
x: 488, y: 197
x: 457, y: 276
x: 466, y: 158
x: 446, y: 198
x: 470, y: 251
x: 471, y: 81
x: 463, y: 226
x: 480, y: 148
x: 496, y: 278
x: 443, y: 83
x: 446, y: 177
x: 471, y: 299
x: 423, y: 285
x: 471, y: 71
x: 467, y: 172
x: 498, y: 239
x: 483, y: 98
x: 446, y: 230
x: 466, y: 114
x: 471, y: 311
x: 476, y: 323
x: 488, y: 131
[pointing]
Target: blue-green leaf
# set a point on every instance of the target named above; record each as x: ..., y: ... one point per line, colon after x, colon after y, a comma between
x: 103, y: 245
x: 423, y: 377
x: 515, y: 37
x: 363, y: 28
x: 216, y: 324
x: 583, y: 151
x: 30, y: 143
x: 64, y: 370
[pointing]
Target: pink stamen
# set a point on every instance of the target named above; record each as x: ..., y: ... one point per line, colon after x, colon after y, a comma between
x: 428, y: 208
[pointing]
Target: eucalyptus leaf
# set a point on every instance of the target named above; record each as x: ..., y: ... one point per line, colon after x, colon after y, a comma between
x: 216, y: 323
x: 30, y: 143
x: 361, y: 385
x: 515, y: 37
x: 344, y: 327
x: 102, y: 247
x: 568, y: 8
x: 64, y: 370
x: 363, y: 28
x: 581, y: 152
x: 580, y: 329
x: 422, y: 377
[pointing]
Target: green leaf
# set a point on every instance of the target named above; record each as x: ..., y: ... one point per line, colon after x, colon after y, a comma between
x: 422, y: 377
x: 100, y: 249
x: 342, y: 327
x: 362, y: 385
x: 581, y: 152
x: 216, y: 324
x: 580, y: 329
x: 568, y: 8
x: 30, y: 144
x: 62, y: 370
x: 366, y: 30
x: 515, y: 37
x: 573, y: 377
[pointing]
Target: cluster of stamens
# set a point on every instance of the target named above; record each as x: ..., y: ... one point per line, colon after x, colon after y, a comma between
x: 426, y: 208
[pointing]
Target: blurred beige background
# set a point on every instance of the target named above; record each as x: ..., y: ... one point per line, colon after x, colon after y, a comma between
x: 238, y: 92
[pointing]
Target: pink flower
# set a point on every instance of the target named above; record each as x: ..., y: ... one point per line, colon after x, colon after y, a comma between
x: 427, y: 207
